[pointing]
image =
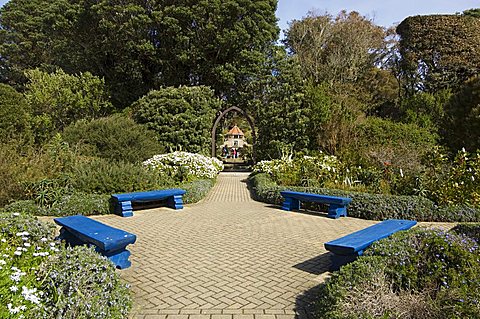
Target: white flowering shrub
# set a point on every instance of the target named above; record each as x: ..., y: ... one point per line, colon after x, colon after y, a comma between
x: 40, y: 278
x: 21, y: 254
x: 305, y: 171
x: 184, y: 166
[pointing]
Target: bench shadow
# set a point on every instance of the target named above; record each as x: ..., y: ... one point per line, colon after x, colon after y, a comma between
x: 305, y: 303
x: 301, y: 211
x: 316, y: 265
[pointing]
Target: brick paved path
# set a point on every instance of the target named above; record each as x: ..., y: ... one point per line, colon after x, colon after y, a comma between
x: 227, y: 257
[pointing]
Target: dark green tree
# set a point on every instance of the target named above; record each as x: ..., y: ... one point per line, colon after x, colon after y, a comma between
x: 462, y: 120
x: 15, y: 115
x: 140, y: 45
x: 182, y: 117
x: 438, y: 51
x: 281, y: 116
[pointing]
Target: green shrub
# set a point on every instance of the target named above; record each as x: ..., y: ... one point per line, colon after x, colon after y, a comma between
x: 16, y: 220
x: 414, y: 274
x: 455, y: 181
x: 66, y: 205
x: 115, y: 138
x: 196, y: 190
x: 58, y: 99
x: 470, y: 230
x: 82, y: 284
x: 14, y: 115
x: 25, y: 244
x: 184, y: 166
x: 370, y: 206
x: 28, y: 207
x: 182, y: 117
x: 40, y: 278
x: 461, y: 126
x: 382, y: 141
x: 105, y: 177
x: 80, y: 203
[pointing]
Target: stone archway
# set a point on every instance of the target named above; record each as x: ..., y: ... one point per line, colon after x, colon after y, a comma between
x: 220, y: 117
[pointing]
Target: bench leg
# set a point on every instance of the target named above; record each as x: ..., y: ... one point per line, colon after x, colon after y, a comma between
x: 119, y: 258
x: 339, y: 260
x: 175, y: 202
x: 124, y: 209
x: 291, y: 204
x: 336, y: 211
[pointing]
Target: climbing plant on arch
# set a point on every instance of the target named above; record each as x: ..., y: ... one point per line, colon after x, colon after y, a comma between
x: 221, y: 116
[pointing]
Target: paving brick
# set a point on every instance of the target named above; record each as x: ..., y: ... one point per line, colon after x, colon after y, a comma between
x: 226, y: 253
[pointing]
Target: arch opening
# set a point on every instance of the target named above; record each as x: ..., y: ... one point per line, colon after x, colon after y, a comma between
x: 220, y: 117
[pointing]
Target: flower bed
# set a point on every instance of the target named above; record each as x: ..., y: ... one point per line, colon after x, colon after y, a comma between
x: 184, y: 166
x: 370, y: 206
x: 40, y: 278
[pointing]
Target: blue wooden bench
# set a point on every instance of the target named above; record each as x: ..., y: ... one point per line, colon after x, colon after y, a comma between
x: 337, y: 205
x: 123, y: 202
x: 349, y: 247
x: 110, y: 242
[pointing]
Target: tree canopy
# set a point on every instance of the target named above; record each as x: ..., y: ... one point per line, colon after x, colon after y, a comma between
x: 439, y: 51
x: 340, y: 49
x: 137, y: 45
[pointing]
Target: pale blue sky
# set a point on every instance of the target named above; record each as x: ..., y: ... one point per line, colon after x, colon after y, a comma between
x: 384, y: 12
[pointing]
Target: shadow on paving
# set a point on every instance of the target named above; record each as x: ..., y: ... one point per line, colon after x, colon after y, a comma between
x: 316, y: 265
x: 305, y: 304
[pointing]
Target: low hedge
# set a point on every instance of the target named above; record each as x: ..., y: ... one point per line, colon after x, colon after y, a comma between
x: 470, y: 230
x: 370, y: 206
x: 413, y: 274
x: 196, y: 190
x: 68, y: 205
x: 95, y: 204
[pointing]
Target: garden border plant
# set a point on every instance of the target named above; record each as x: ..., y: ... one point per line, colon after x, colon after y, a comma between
x: 370, y: 206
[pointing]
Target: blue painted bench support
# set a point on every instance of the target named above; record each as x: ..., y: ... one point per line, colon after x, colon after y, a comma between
x: 348, y: 248
x: 123, y: 202
x: 337, y: 205
x: 110, y: 242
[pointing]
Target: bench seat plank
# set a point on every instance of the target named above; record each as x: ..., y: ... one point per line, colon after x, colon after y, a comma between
x: 110, y: 242
x: 123, y: 202
x: 357, y: 242
x: 337, y: 205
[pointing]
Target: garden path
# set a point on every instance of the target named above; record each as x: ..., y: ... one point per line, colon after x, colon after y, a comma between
x: 227, y: 257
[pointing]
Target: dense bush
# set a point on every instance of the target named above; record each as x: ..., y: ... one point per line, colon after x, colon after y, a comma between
x: 462, y: 121
x: 40, y: 278
x: 182, y: 117
x: 22, y: 168
x: 58, y: 99
x: 414, y: 274
x: 402, y: 145
x: 115, y: 138
x: 370, y: 206
x: 470, y: 230
x: 183, y: 166
x: 447, y: 181
x: 196, y: 190
x: 14, y: 115
x: 79, y: 283
x: 66, y: 205
x: 101, y: 176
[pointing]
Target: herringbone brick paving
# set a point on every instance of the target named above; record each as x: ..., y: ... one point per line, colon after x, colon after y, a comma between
x: 227, y: 257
